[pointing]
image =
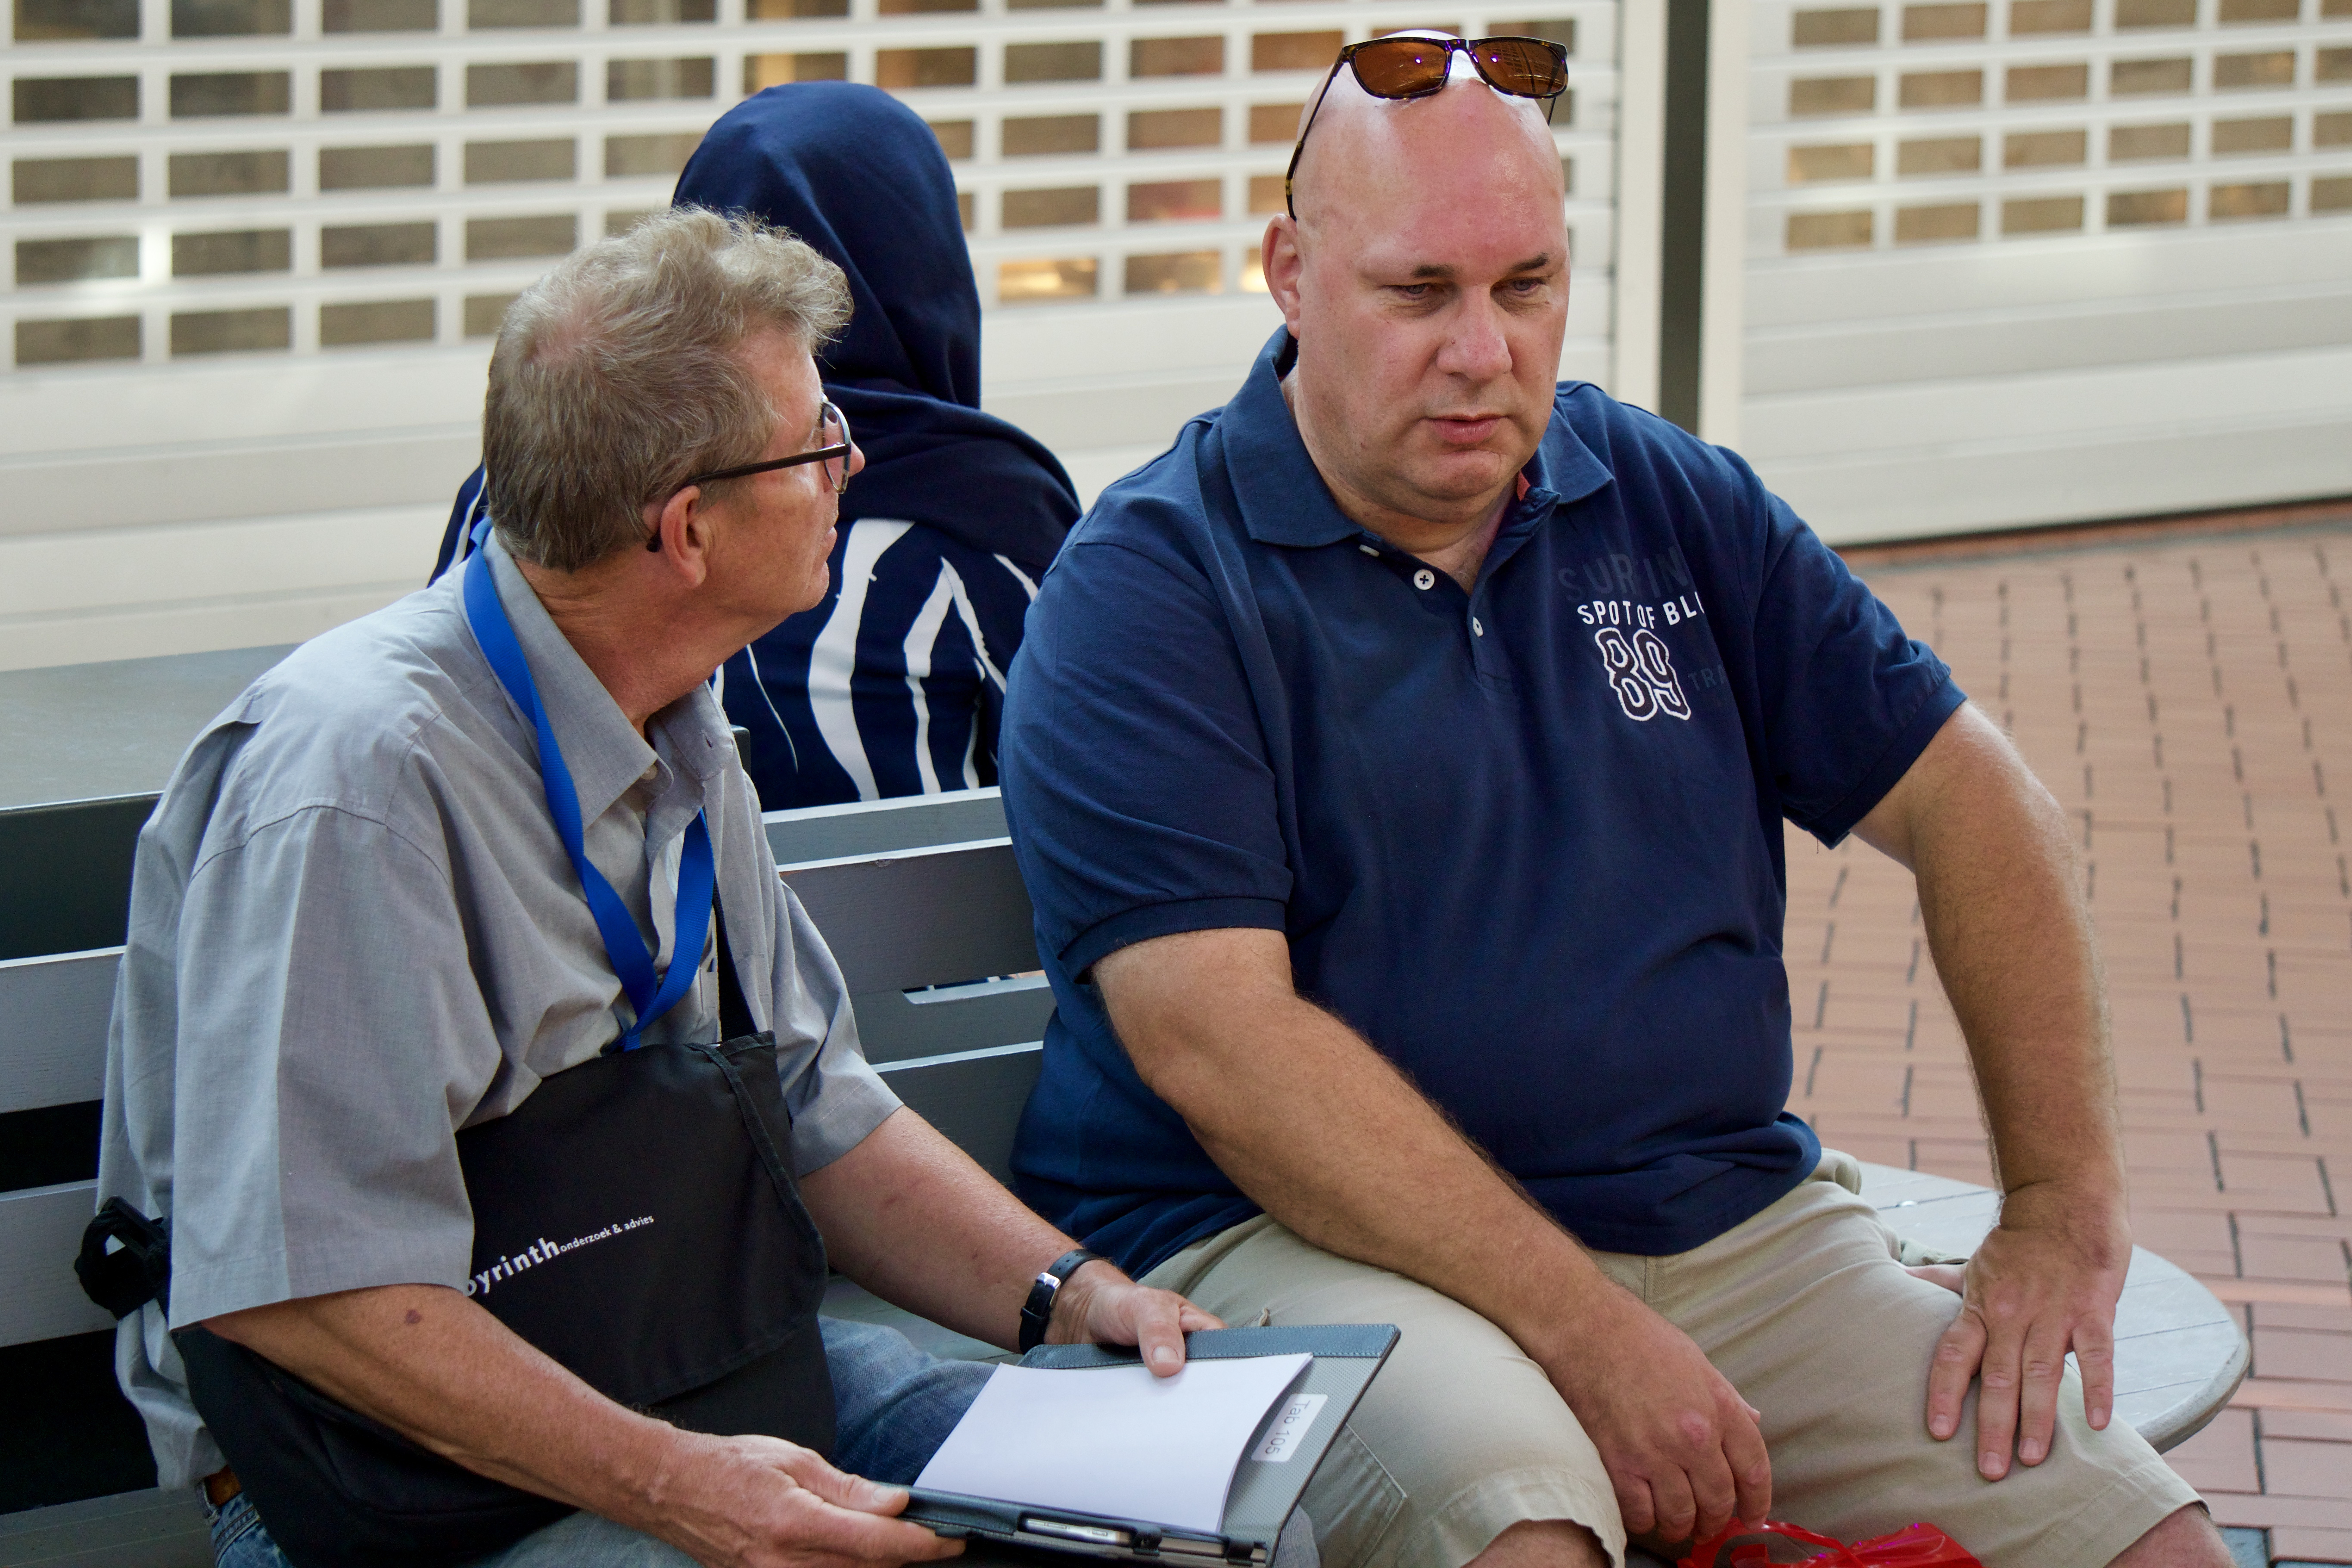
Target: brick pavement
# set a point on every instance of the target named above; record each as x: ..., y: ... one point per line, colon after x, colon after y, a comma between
x: 2189, y: 699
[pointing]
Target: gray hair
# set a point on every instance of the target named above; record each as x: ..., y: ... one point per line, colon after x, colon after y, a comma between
x: 620, y: 373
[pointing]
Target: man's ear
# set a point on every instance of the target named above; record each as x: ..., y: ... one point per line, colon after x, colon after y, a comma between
x: 1278, y: 254
x: 682, y: 526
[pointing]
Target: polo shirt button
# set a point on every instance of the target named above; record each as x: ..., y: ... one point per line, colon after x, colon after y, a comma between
x: 1424, y: 579
x: 1475, y: 629
x: 1371, y: 550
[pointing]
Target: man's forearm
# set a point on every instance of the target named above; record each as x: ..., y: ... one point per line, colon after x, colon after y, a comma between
x: 910, y: 1217
x: 437, y: 1368
x: 1326, y: 1135
x: 2006, y: 924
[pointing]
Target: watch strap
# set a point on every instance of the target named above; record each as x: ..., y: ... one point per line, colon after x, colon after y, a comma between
x: 1037, y: 1311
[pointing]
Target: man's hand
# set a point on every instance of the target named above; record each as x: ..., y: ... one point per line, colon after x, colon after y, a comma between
x: 1682, y: 1448
x: 762, y: 1502
x: 2045, y: 1281
x: 436, y: 1367
x: 1100, y: 1305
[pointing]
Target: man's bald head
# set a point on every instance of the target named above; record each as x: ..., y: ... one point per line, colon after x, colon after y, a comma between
x: 1472, y: 143
x: 1426, y: 280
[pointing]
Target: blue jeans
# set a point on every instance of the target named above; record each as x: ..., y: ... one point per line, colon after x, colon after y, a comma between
x: 893, y: 1407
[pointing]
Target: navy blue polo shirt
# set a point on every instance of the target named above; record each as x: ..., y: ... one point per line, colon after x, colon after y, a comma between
x: 1527, y: 839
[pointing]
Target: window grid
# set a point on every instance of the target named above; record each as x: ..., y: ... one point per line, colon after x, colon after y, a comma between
x: 1896, y: 126
x: 364, y: 216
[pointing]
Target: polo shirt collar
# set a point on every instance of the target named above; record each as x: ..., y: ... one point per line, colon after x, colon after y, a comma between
x: 1284, y: 499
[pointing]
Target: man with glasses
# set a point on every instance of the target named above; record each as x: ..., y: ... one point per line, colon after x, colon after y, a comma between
x: 442, y: 921
x: 1399, y: 768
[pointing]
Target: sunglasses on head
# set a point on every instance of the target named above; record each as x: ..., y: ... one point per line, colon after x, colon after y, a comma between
x: 1415, y: 67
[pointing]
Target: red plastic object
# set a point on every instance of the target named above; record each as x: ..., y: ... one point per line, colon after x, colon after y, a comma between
x: 1914, y: 1546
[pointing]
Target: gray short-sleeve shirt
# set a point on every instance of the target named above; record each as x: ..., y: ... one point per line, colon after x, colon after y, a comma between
x: 354, y: 930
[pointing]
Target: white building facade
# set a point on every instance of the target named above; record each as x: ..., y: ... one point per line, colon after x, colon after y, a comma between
x: 1967, y: 265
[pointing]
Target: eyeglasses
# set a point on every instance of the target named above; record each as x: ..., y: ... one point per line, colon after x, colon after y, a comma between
x: 831, y: 449
x: 1415, y: 67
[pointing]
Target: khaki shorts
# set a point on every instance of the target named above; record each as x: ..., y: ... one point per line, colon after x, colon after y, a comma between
x: 1805, y: 1308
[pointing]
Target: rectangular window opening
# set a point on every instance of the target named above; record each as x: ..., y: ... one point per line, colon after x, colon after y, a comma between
x: 634, y: 81
x: 514, y: 238
x: 1050, y: 135
x: 1810, y: 96
x: 1843, y: 160
x: 35, y: 180
x: 374, y: 168
x: 2041, y: 214
x: 1931, y: 156
x: 1176, y: 201
x: 898, y: 70
x: 379, y: 245
x: 1080, y: 60
x: 56, y: 21
x: 1829, y: 231
x: 256, y: 330
x: 661, y: 153
x: 1941, y: 225
x: 1847, y: 27
x: 222, y: 93
x: 1180, y: 272
x: 351, y: 323
x: 2127, y: 209
x: 231, y: 18
x: 262, y: 173
x: 1065, y: 206
x: 1928, y: 24
x: 379, y: 17
x: 78, y: 340
x: 80, y: 261
x: 1295, y: 51
x: 378, y: 89
x: 509, y: 162
x: 2267, y: 198
x: 1035, y: 282
x: 1152, y: 129
x: 761, y: 72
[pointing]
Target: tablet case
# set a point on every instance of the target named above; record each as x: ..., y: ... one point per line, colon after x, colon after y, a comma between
x: 1346, y: 1355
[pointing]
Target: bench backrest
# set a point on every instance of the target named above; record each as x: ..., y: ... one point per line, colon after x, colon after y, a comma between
x: 933, y: 940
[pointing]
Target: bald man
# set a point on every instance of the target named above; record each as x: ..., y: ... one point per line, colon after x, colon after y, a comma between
x: 1398, y: 766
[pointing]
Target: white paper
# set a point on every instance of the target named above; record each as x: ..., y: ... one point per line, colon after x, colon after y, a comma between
x: 1289, y: 1428
x: 1113, y: 1440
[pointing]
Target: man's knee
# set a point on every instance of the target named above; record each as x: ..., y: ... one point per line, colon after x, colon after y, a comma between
x: 1543, y: 1543
x: 2186, y: 1539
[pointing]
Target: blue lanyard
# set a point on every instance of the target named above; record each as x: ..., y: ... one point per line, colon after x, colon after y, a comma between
x: 650, y: 995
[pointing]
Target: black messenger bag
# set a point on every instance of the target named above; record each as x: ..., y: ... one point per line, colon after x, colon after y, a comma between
x: 637, y: 1219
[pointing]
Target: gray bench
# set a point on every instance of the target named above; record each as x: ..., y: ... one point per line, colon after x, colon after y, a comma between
x: 917, y: 898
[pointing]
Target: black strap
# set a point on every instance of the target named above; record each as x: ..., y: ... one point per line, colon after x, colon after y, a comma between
x: 139, y: 1272
x: 1037, y: 1311
x: 734, y: 1013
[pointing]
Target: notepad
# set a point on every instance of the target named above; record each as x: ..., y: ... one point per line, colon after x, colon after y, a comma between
x: 1114, y: 1441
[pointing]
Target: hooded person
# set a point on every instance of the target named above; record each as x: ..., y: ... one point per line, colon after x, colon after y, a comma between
x: 894, y: 684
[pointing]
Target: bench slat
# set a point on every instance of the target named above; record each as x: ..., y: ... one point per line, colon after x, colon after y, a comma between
x: 868, y: 828
x: 897, y: 1026
x: 55, y: 1049
x: 973, y: 1097
x: 921, y: 917
x: 40, y: 1231
x: 151, y: 1529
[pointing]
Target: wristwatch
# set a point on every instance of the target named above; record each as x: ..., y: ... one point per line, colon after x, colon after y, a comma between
x: 1037, y: 1311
